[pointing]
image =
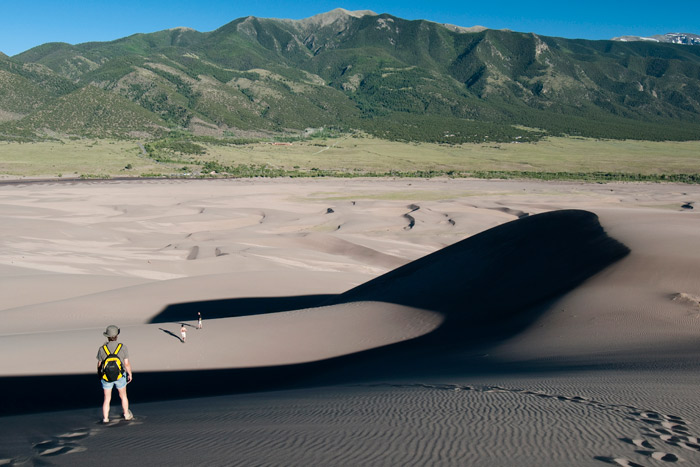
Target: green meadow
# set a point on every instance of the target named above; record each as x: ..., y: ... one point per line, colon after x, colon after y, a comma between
x: 352, y: 155
x: 73, y: 159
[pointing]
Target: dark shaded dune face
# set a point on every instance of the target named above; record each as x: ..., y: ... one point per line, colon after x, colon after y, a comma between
x: 502, y: 271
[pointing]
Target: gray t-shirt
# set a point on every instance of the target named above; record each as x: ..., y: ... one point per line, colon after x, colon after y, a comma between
x: 112, y: 346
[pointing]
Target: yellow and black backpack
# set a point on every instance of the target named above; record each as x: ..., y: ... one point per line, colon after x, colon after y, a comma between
x: 112, y: 367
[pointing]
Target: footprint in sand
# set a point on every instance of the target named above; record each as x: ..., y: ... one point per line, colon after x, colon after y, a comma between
x: 661, y: 456
x: 681, y: 440
x: 61, y: 444
x: 671, y: 429
x: 640, y: 443
x: 80, y: 434
x: 619, y: 461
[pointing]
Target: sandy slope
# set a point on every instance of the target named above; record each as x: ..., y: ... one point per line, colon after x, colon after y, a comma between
x: 542, y: 343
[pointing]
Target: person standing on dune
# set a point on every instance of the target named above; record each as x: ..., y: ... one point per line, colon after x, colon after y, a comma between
x: 114, y: 369
x: 183, y: 332
x: 199, y: 320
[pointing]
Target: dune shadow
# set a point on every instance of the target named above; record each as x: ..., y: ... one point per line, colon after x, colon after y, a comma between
x: 488, y: 287
x: 500, y: 272
x: 79, y: 391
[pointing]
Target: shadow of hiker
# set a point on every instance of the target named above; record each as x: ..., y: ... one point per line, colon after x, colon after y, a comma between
x: 171, y: 333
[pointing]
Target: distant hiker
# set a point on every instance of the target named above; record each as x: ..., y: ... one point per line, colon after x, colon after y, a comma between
x: 115, y: 370
x: 199, y: 320
x: 183, y: 331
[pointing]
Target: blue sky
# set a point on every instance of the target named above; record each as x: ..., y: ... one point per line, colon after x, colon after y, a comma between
x: 26, y: 24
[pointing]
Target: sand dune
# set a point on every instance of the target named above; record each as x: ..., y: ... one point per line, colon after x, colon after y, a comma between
x: 392, y: 322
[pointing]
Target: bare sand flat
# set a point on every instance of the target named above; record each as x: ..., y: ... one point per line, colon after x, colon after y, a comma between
x: 353, y: 322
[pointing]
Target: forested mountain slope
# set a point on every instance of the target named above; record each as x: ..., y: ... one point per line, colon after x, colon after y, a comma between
x: 394, y: 78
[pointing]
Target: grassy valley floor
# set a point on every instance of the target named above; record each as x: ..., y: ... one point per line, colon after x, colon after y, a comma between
x: 351, y: 155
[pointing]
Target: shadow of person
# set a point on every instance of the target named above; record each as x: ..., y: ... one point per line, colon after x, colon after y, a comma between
x: 171, y: 333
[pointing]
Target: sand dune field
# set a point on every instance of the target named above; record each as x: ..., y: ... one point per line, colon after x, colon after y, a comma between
x: 363, y: 322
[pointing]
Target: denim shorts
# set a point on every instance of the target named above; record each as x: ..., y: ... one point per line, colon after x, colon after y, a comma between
x: 120, y: 383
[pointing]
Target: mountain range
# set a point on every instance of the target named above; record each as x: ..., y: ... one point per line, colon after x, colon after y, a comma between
x: 393, y: 78
x: 671, y: 37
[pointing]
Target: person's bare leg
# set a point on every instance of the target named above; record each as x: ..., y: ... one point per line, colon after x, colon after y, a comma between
x: 125, y: 400
x: 105, y: 404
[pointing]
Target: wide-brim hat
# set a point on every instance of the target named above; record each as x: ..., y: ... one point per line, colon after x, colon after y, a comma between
x: 111, y: 331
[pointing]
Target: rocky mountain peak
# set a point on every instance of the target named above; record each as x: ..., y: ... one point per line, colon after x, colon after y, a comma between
x: 332, y: 17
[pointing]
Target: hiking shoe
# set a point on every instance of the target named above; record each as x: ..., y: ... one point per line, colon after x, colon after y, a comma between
x: 128, y: 415
x: 105, y: 420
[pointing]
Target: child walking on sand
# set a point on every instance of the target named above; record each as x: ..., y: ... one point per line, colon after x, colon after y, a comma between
x: 183, y: 331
